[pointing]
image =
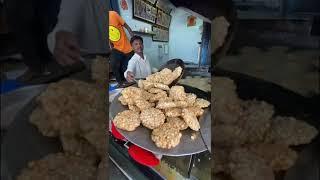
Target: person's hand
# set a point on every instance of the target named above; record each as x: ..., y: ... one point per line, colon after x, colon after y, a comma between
x: 130, y: 76
x: 66, y: 50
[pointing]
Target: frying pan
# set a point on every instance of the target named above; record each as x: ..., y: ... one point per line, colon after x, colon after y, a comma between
x: 286, y: 103
x: 23, y: 143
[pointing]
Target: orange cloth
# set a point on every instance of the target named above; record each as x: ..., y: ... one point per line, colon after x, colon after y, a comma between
x: 117, y: 35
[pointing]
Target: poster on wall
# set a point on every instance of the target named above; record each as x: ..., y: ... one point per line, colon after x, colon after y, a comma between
x: 124, y: 5
x: 144, y: 11
x: 160, y: 34
x: 163, y: 19
x: 191, y: 21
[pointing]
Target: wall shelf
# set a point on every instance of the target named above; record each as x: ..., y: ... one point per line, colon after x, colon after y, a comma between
x: 144, y: 33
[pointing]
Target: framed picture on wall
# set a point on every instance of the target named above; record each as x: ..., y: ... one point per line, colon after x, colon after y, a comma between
x: 163, y: 6
x: 161, y: 34
x: 152, y: 1
x: 144, y: 11
x: 163, y: 19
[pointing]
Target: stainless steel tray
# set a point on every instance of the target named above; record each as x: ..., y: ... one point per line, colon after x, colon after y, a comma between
x: 23, y: 142
x: 142, y: 136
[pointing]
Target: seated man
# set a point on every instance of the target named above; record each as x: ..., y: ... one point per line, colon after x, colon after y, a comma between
x: 138, y: 66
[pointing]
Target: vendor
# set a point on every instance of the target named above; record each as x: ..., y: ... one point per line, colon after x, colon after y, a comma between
x: 138, y: 66
x: 121, y: 49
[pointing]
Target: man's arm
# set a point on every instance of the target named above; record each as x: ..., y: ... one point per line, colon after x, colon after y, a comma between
x: 129, y: 73
x: 128, y: 29
x: 63, y: 41
x: 69, y: 18
x: 122, y: 22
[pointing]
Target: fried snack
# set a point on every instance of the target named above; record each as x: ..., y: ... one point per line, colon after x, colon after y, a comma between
x: 220, y: 160
x: 100, y: 70
x: 181, y: 104
x: 103, y: 170
x: 219, y: 32
x: 227, y: 113
x: 290, y: 131
x: 159, y: 77
x: 166, y: 99
x: 97, y: 138
x: 201, y: 103
x: 152, y: 118
x: 177, y: 123
x: 173, y: 112
x: 143, y: 104
x: 93, y: 127
x: 191, y: 119
x: 155, y: 90
x: 146, y: 95
x: 168, y: 78
x: 228, y: 136
x: 79, y: 146
x: 227, y: 108
x: 190, y: 98
x: 126, y: 101
x: 177, y: 93
x: 255, y: 120
x: 165, y: 76
x: 176, y: 73
x: 158, y: 96
x: 59, y: 166
x: 248, y: 166
x: 165, y: 104
x: 132, y: 93
x: 133, y: 108
x: 166, y: 136
x: 127, y: 120
x: 76, y: 98
x: 278, y: 156
x: 161, y: 86
x: 40, y: 119
x: 196, y: 110
x: 147, y: 84
x: 123, y: 100
x: 155, y: 77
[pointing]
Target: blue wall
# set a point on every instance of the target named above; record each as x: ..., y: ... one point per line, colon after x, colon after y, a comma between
x: 184, y: 40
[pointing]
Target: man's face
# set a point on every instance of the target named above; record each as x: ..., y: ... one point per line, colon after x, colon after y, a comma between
x: 137, y: 46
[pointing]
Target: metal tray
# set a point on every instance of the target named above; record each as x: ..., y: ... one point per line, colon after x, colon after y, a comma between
x: 23, y: 143
x: 142, y: 136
